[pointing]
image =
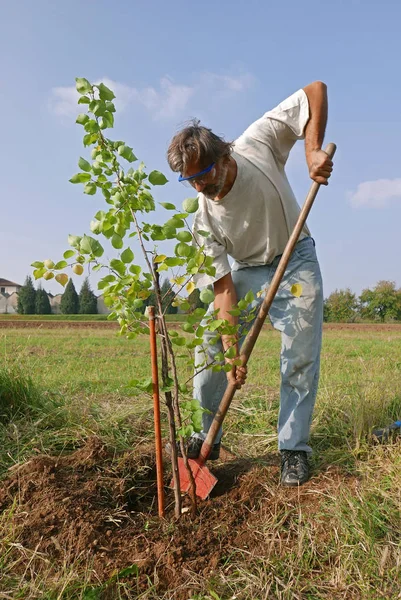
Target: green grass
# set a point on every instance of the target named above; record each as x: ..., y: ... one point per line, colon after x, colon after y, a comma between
x: 17, y: 317
x: 75, y: 380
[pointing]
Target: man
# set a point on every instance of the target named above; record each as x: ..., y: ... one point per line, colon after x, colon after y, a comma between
x: 249, y: 210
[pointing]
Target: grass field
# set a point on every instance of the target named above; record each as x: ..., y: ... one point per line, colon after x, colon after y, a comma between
x: 60, y: 317
x: 340, y: 538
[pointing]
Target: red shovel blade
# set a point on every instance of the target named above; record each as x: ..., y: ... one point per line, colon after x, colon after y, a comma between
x: 204, y: 480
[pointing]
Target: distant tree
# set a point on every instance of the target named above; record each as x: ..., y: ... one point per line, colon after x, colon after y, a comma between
x: 87, y: 299
x: 382, y: 303
x: 167, y: 295
x: 42, y: 303
x: 195, y: 301
x: 341, y: 307
x: 26, y: 298
x: 69, y: 304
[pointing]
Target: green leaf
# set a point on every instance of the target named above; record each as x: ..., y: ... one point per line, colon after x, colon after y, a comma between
x: 182, y: 249
x: 91, y: 126
x: 206, y: 296
x: 118, y: 266
x: 82, y: 118
x: 157, y: 178
x: 190, y: 205
x: 231, y: 352
x: 38, y: 273
x: 203, y: 233
x: 179, y: 341
x: 98, y: 107
x: 82, y: 85
x: 188, y: 327
x: 83, y: 100
x: 62, y: 264
x: 83, y: 164
x: 184, y: 236
x: 127, y: 256
x: 167, y: 205
x: 104, y: 92
x: 175, y: 222
x: 127, y: 153
x: 196, y: 420
x: 107, y: 120
x: 89, y: 139
x: 74, y: 241
x: 96, y: 226
x: 174, y: 262
x: 38, y: 265
x: 90, y: 188
x: 215, y: 324
x: 117, y: 241
x: 249, y: 297
x: 80, y: 178
x: 88, y: 245
x: 186, y: 431
x: 234, y: 312
x: 68, y: 253
x: 132, y: 570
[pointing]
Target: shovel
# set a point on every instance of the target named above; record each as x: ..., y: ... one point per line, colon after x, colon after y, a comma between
x: 204, y: 479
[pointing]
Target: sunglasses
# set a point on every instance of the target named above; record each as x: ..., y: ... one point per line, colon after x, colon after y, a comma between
x: 198, y: 177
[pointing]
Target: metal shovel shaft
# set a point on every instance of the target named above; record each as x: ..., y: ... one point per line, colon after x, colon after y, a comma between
x: 253, y: 333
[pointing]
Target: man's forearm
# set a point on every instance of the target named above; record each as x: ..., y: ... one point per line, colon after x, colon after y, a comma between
x: 225, y: 300
x: 318, y: 107
x: 319, y: 164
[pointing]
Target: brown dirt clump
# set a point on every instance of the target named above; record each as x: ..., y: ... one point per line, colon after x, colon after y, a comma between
x: 98, y: 506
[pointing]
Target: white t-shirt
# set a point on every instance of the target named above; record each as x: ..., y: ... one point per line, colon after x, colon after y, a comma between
x: 253, y: 222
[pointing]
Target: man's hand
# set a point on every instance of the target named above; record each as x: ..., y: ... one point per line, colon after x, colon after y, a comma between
x: 320, y: 166
x: 237, y: 375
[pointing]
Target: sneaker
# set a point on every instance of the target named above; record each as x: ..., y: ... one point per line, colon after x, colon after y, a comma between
x: 193, y: 449
x: 294, y: 467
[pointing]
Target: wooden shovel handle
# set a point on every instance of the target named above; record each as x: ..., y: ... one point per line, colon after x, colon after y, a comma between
x: 156, y: 411
x: 253, y: 333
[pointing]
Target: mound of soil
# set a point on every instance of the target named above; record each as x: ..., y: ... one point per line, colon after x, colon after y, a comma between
x: 96, y: 505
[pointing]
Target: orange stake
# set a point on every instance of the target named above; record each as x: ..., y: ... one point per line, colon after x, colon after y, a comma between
x: 156, y: 411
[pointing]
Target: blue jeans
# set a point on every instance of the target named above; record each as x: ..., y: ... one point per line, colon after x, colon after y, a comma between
x: 300, y: 322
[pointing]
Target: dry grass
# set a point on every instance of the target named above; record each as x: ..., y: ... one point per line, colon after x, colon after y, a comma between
x: 345, y: 543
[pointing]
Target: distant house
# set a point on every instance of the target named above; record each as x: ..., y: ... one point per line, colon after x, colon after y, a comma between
x: 9, y: 296
x: 102, y: 309
x: 55, y: 303
x: 9, y: 287
x: 9, y: 299
x: 8, y: 304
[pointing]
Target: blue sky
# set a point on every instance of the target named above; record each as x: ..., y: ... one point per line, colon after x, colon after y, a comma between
x: 226, y: 63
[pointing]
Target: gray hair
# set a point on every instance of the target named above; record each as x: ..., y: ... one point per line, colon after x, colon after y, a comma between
x: 196, y: 144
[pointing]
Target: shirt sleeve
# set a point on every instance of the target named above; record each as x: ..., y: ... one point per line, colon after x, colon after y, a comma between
x: 281, y: 127
x: 212, y: 247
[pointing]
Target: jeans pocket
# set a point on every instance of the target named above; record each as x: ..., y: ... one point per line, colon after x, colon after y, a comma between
x: 305, y: 250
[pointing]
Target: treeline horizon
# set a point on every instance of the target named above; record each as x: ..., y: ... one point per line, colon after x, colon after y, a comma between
x: 381, y: 304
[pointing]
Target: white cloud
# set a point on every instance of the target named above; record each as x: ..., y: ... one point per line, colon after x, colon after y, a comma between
x: 375, y: 194
x: 168, y: 101
x: 63, y: 101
